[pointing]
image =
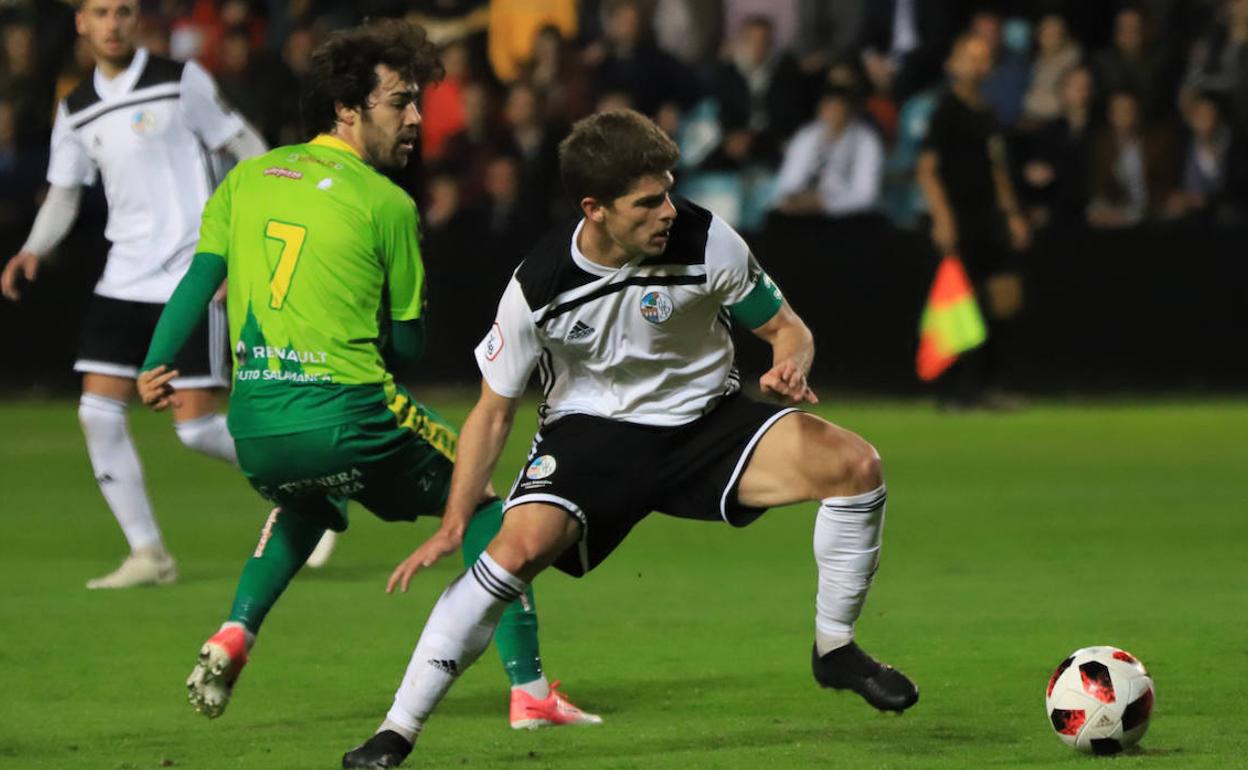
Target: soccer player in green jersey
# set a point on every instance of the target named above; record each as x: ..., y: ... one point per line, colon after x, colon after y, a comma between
x: 325, y: 285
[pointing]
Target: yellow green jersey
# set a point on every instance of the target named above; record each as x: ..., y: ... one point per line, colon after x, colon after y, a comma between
x: 322, y: 252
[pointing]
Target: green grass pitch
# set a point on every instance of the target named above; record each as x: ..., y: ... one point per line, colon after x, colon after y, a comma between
x: 1011, y: 540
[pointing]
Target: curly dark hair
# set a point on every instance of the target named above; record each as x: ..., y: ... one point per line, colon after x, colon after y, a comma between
x: 344, y: 67
x: 607, y: 153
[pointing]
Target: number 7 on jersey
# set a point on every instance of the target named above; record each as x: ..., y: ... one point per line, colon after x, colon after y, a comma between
x: 291, y: 237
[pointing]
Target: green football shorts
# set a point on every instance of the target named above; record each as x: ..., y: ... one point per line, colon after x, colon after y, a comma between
x: 396, y: 463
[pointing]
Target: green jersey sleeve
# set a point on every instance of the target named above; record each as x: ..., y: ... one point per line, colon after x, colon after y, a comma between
x: 214, y: 224
x: 398, y: 238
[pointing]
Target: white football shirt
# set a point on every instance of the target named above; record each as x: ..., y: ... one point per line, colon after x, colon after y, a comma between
x: 645, y: 343
x: 150, y: 133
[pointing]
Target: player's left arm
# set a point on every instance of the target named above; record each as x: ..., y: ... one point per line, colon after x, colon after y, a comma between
x: 184, y: 311
x: 397, y: 233
x: 755, y: 302
x: 219, y: 126
x: 792, y: 353
x: 188, y: 305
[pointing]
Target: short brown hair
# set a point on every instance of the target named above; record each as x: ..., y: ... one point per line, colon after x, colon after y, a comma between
x: 608, y: 152
x: 344, y: 67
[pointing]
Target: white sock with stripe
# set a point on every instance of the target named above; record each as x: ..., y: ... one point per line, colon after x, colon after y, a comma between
x: 117, y: 469
x: 458, y: 631
x: 847, y: 549
x: 208, y: 435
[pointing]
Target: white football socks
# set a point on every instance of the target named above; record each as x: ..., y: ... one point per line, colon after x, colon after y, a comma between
x: 208, y: 435
x: 847, y: 550
x: 117, y: 469
x: 539, y: 688
x: 458, y: 631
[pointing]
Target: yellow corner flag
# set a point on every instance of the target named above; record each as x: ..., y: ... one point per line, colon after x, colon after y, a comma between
x: 951, y: 323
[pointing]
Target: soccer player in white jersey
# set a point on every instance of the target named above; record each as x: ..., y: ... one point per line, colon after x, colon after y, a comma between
x: 626, y: 316
x: 148, y: 126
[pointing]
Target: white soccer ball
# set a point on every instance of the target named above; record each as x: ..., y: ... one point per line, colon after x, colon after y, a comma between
x: 1099, y: 700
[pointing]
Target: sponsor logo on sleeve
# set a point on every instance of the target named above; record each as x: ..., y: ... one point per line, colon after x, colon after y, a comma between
x: 284, y: 173
x: 494, y: 342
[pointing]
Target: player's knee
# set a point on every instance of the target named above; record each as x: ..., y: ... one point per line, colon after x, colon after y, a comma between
x: 207, y: 435
x: 100, y: 415
x: 854, y: 467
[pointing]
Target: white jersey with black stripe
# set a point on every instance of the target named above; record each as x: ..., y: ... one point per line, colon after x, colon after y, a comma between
x: 645, y: 343
x: 150, y: 133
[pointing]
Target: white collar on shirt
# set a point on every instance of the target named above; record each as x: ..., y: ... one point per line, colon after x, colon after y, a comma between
x: 124, y: 82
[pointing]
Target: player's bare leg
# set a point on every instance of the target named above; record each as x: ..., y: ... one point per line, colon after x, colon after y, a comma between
x: 803, y: 457
x: 102, y: 412
x: 462, y: 622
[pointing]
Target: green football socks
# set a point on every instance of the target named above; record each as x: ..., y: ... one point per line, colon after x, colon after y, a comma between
x: 285, y: 543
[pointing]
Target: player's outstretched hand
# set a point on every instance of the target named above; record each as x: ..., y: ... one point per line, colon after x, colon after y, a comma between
x: 787, y: 381
x: 443, y: 542
x: 155, y: 390
x: 24, y: 264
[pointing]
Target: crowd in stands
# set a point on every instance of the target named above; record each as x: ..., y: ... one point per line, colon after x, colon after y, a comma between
x: 1114, y: 114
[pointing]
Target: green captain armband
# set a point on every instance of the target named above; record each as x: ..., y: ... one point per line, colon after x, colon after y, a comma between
x: 760, y: 305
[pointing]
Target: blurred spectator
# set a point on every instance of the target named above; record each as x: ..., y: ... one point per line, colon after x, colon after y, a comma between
x: 903, y: 200
x: 903, y: 42
x: 628, y: 61
x: 827, y: 31
x: 1008, y: 78
x: 448, y: 21
x: 1056, y: 173
x: 1132, y: 168
x: 690, y: 30
x: 975, y: 214
x: 1135, y: 62
x: 834, y: 166
x: 513, y: 28
x: 255, y: 85
x: 505, y: 229
x: 760, y: 95
x: 783, y: 15
x: 200, y: 34
x: 1213, y: 184
x: 557, y: 74
x: 25, y: 86
x: 533, y: 148
x: 21, y: 174
x: 442, y: 103
x: 469, y: 151
x: 1219, y: 63
x: 1056, y: 55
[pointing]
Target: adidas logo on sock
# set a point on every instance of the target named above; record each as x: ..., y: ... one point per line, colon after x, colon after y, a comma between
x: 447, y: 666
x: 580, y: 330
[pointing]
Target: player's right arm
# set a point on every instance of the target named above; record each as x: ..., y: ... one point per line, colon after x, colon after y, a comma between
x: 69, y: 169
x: 506, y: 357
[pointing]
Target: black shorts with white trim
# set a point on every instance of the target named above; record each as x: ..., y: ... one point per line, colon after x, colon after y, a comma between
x: 610, y: 475
x: 116, y: 334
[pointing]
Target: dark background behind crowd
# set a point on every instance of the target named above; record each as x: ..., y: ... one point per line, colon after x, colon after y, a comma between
x: 802, y: 122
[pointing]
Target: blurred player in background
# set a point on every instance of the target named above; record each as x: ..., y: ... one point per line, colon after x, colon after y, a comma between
x: 626, y: 316
x: 148, y: 126
x: 325, y: 297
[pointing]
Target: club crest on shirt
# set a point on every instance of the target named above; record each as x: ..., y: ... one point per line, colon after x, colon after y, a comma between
x: 656, y: 307
x: 143, y: 122
x: 540, y: 467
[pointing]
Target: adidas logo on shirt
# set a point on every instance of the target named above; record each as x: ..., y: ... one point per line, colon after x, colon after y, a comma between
x: 580, y: 331
x: 447, y: 666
